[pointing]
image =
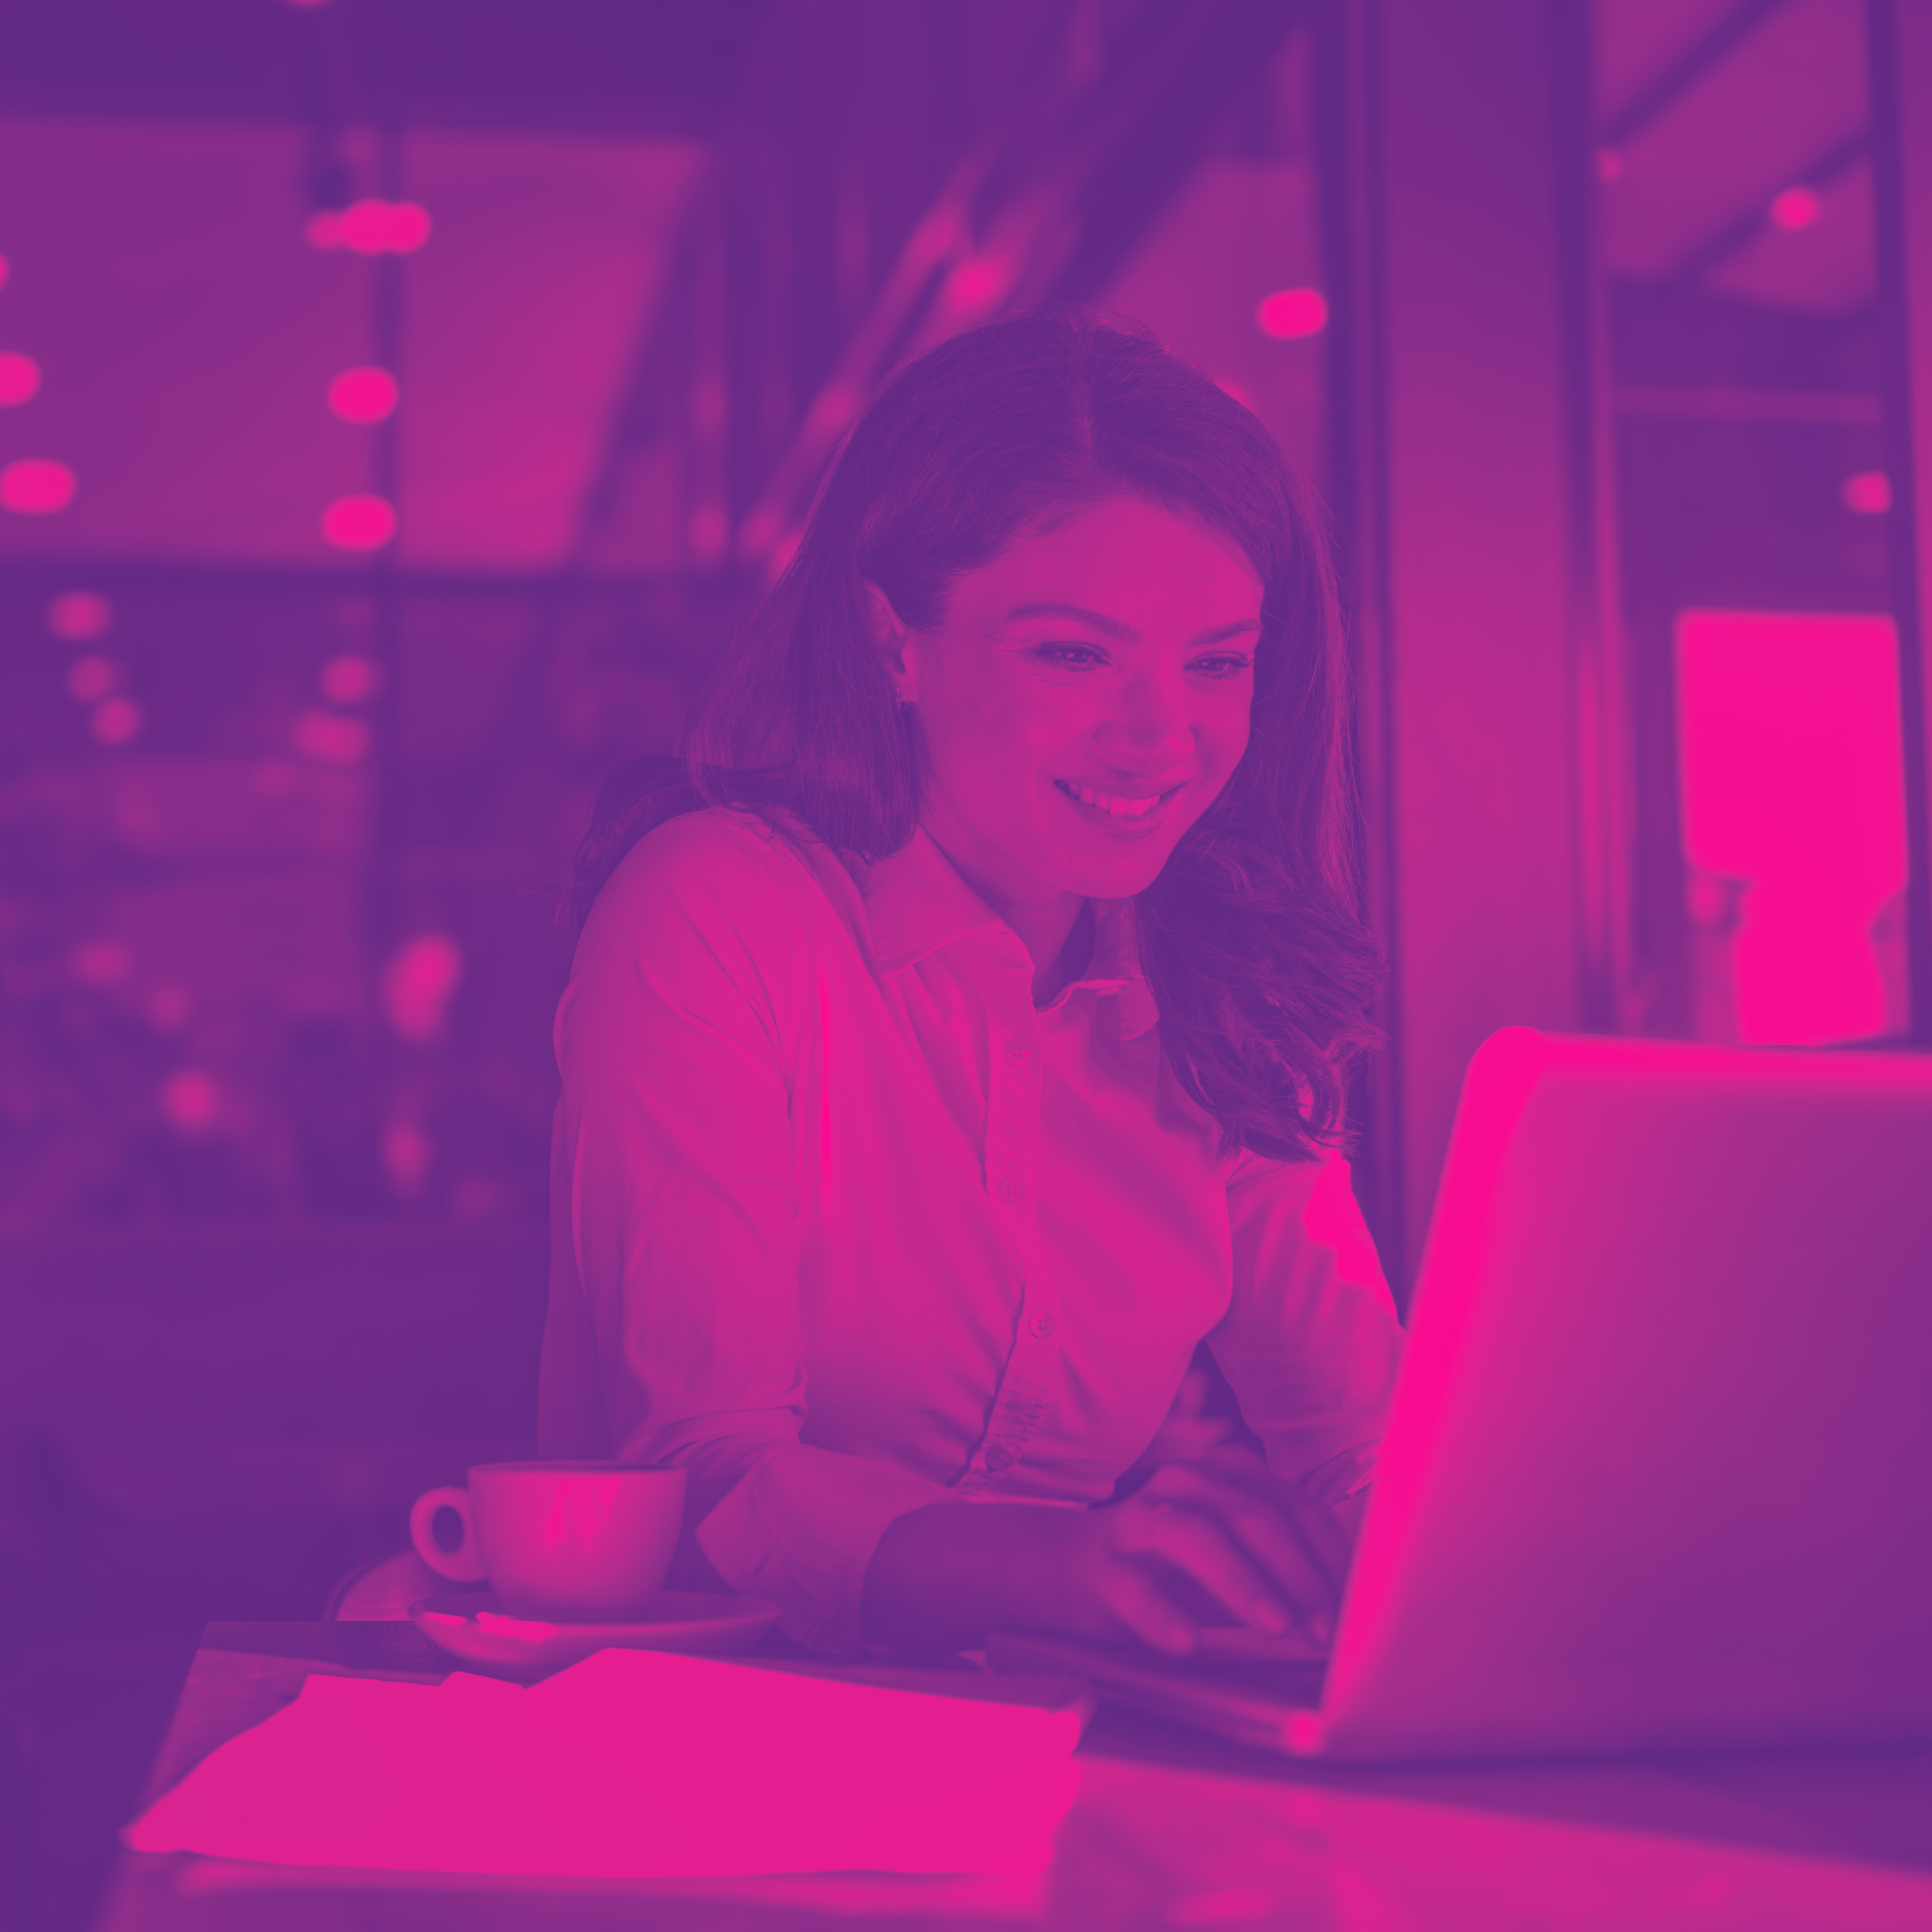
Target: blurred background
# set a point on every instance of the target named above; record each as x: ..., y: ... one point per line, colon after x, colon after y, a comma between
x: 401, y: 402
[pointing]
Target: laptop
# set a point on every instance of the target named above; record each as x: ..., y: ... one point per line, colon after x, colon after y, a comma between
x: 1657, y: 1473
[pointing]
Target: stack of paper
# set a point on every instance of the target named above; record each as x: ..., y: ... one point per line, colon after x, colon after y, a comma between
x: 632, y: 1764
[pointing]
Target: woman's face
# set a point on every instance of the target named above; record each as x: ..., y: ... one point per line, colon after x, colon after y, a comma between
x: 1113, y: 656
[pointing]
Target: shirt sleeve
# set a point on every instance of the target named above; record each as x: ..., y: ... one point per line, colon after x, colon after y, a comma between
x: 674, y: 1182
x: 1311, y: 1342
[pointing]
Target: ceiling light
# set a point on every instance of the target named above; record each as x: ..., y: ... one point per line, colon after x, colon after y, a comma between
x: 36, y: 486
x: 1290, y: 313
x: 1796, y: 207
x: 373, y: 226
x: 409, y: 226
x: 365, y: 394
x: 359, y: 522
x: 1868, y: 492
x: 19, y: 378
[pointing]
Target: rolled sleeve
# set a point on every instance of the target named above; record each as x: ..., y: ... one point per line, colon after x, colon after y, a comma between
x: 800, y: 1529
x: 675, y: 1299
x: 1310, y: 1343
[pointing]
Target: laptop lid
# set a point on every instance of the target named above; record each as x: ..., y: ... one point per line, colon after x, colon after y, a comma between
x: 1658, y: 1469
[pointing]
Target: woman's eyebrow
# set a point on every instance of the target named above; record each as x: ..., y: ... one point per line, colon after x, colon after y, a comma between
x: 1113, y: 627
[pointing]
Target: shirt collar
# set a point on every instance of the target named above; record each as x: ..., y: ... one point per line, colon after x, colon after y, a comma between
x: 917, y: 902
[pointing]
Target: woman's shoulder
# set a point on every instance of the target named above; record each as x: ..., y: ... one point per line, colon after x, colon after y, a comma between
x: 729, y: 859
x: 719, y: 850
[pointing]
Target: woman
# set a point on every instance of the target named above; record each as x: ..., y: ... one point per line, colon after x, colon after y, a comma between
x: 967, y: 1039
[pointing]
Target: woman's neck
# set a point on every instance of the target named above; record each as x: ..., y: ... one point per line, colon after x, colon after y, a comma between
x: 1074, y: 957
x: 1056, y: 928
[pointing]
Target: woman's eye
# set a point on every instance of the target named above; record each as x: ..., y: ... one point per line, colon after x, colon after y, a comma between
x: 1218, y: 667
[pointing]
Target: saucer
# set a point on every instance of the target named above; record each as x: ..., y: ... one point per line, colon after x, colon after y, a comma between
x: 473, y: 1628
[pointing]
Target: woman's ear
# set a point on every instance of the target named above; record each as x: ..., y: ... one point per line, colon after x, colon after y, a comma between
x: 889, y: 633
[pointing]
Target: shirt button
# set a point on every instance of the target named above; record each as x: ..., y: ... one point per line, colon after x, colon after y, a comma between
x: 999, y: 1457
x: 1010, y: 1191
x: 1042, y: 1325
x: 1016, y: 1052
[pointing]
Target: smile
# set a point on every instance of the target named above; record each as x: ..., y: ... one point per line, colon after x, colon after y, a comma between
x: 1122, y: 815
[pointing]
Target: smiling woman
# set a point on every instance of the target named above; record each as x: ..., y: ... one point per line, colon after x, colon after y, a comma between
x: 959, y: 1038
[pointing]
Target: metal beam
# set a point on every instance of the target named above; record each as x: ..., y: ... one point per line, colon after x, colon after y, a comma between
x: 1687, y: 69
x: 1740, y: 233
x: 1043, y: 209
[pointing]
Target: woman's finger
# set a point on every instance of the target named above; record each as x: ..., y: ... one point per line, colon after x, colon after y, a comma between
x: 1238, y: 1486
x: 1275, y: 1538
x: 1200, y: 1547
x: 1133, y: 1596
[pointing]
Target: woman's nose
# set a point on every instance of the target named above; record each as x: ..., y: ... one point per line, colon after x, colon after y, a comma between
x: 1153, y: 720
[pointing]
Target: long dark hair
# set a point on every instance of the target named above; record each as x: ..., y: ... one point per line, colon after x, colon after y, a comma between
x: 1252, y: 937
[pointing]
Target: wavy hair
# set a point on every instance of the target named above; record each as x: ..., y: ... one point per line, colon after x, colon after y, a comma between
x: 1252, y: 937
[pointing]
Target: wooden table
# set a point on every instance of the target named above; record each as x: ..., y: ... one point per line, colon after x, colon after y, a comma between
x: 1170, y: 1829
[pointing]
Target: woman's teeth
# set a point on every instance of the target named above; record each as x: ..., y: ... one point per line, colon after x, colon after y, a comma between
x: 1120, y: 808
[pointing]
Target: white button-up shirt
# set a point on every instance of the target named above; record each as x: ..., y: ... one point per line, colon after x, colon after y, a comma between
x: 843, y: 1224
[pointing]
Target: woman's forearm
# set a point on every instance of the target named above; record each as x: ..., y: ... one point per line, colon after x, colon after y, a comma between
x: 943, y: 1576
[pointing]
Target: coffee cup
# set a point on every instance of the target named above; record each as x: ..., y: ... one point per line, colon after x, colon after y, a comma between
x: 564, y: 1541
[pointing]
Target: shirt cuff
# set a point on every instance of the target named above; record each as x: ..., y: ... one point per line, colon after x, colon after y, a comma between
x: 799, y: 1529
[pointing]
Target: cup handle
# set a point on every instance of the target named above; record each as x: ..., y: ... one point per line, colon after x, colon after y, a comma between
x: 462, y: 1565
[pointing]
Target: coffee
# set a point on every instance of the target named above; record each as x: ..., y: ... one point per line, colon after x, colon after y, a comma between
x: 564, y: 1541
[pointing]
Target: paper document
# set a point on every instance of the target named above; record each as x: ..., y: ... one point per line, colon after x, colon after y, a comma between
x: 633, y: 1763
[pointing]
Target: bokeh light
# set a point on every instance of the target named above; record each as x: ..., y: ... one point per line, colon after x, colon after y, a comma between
x: 350, y: 678
x: 190, y: 1100
x: 1796, y: 207
x: 365, y: 394
x: 359, y: 522
x: 710, y: 533
x: 1290, y: 313
x: 90, y: 678
x: 101, y: 962
x: 6, y: 270
x: 36, y: 486
x: 19, y: 378
x: 1868, y: 492
x: 365, y: 227
x: 419, y: 981
x: 409, y: 226
x: 979, y: 282
x: 79, y: 617
x: 407, y: 1152
x: 170, y: 1008
x: 373, y: 226
x: 323, y: 229
x: 116, y: 721
x: 329, y: 739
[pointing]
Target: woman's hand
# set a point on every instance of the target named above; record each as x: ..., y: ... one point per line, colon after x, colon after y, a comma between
x: 1204, y: 1542
x: 1208, y: 1542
